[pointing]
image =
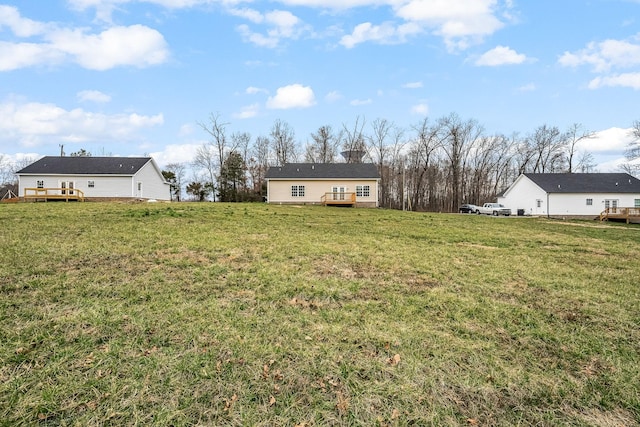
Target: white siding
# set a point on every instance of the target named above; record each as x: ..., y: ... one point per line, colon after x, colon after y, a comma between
x: 108, y: 186
x: 153, y: 184
x: 104, y: 186
x: 576, y: 204
x: 525, y: 194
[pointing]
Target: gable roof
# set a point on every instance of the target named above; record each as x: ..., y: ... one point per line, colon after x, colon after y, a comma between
x: 585, y: 182
x: 55, y: 165
x: 324, y: 171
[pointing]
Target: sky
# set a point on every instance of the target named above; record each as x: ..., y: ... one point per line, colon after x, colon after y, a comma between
x: 137, y: 77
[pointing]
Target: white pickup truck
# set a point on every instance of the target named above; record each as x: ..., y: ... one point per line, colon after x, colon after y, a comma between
x: 494, y: 209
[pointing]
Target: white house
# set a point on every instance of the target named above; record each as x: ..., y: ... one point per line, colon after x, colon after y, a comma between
x: 94, y: 177
x: 354, y: 184
x: 575, y: 194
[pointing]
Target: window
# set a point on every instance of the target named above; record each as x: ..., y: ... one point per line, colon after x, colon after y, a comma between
x: 538, y: 203
x: 636, y: 203
x: 611, y: 203
x: 40, y: 184
x: 589, y: 202
x: 91, y: 184
x: 297, y: 191
x: 363, y: 190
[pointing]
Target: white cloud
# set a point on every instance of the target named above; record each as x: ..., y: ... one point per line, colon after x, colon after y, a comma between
x: 529, y: 87
x: 631, y: 80
x: 413, y: 85
x: 421, y: 109
x: 459, y: 22
x: 251, y: 90
x: 135, y: 45
x: 359, y: 102
x: 333, y: 96
x: 613, y: 140
x: 387, y: 33
x: 280, y: 24
x: 93, y: 96
x: 34, y: 124
x: 292, y: 96
x: 500, y: 55
x: 248, y: 112
x: 21, y: 27
x: 176, y: 153
x: 604, y: 56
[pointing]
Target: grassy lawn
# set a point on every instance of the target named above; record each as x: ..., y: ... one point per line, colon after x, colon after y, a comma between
x: 250, y: 314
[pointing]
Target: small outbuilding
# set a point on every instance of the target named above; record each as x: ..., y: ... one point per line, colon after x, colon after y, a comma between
x: 349, y: 184
x: 571, y: 194
x: 99, y: 178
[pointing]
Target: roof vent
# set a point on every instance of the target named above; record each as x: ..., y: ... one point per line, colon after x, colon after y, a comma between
x: 616, y: 184
x: 314, y: 166
x: 558, y: 186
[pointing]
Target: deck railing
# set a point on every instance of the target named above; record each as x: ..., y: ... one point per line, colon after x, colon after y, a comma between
x: 620, y: 213
x: 338, y: 198
x: 53, y: 194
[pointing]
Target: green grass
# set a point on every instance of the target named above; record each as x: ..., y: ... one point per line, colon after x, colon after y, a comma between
x: 217, y: 314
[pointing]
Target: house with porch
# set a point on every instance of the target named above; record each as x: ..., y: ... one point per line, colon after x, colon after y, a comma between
x: 347, y: 184
x: 571, y: 194
x: 94, y: 178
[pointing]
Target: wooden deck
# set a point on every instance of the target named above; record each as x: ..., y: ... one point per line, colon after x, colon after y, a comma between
x: 621, y: 214
x: 45, y: 194
x: 339, y: 199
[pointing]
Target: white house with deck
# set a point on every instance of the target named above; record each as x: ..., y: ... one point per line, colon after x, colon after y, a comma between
x: 55, y: 177
x: 571, y: 194
x: 352, y: 184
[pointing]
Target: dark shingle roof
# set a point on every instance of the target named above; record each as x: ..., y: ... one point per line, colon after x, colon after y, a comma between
x: 86, y: 166
x: 324, y: 171
x: 586, y: 182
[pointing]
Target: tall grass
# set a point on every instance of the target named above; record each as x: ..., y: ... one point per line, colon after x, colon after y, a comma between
x: 251, y: 314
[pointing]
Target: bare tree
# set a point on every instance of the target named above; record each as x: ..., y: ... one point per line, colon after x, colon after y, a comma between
x: 633, y: 150
x: 217, y: 131
x: 6, y: 170
x: 548, y: 144
x: 283, y: 141
x: 457, y: 137
x: 324, y: 147
x: 423, y: 161
x: 353, y: 142
x: 179, y: 170
x: 205, y: 160
x: 259, y: 163
x: 575, y: 134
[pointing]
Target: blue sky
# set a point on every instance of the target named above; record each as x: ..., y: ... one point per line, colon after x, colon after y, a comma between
x: 134, y: 77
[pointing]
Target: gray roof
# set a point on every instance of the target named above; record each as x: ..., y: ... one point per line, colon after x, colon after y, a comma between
x: 324, y: 171
x: 54, y: 165
x: 585, y: 182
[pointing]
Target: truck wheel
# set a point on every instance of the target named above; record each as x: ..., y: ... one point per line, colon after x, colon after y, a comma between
x: 495, y: 213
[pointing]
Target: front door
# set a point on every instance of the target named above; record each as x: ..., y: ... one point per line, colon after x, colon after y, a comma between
x: 611, y: 203
x: 338, y: 192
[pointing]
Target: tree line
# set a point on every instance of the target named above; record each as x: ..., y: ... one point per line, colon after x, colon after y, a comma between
x: 432, y: 165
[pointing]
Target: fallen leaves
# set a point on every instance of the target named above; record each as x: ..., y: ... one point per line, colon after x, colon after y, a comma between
x: 394, y: 361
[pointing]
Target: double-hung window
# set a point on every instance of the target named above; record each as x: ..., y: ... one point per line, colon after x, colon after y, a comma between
x: 40, y: 184
x: 297, y: 191
x: 589, y: 202
x: 363, y: 190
